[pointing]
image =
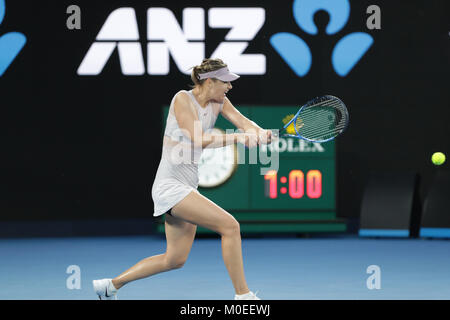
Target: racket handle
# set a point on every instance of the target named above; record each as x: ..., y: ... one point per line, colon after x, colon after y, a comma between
x: 276, y: 133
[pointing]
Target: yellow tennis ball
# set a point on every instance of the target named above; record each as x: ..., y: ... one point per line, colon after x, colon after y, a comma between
x: 438, y: 158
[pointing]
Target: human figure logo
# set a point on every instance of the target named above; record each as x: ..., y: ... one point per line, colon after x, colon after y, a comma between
x: 296, y: 52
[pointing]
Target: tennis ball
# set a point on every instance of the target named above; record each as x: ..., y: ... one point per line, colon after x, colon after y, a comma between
x: 438, y: 158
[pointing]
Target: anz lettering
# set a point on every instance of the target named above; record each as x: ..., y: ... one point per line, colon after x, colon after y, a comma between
x: 184, y: 43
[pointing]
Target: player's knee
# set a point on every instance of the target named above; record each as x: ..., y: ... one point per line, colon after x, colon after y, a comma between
x: 175, y: 262
x: 232, y: 228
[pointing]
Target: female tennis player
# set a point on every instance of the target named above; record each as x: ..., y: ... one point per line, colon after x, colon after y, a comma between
x: 174, y: 192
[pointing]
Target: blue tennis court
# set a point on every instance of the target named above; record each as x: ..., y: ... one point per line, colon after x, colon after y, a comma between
x: 324, y: 268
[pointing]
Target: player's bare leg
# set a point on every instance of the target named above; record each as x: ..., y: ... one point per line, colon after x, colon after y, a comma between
x: 180, y: 235
x: 201, y: 211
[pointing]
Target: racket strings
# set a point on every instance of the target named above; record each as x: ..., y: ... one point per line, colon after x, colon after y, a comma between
x: 318, y: 111
x: 307, y: 109
x: 330, y: 105
x: 329, y: 102
x: 317, y: 129
x: 318, y: 134
x: 315, y: 122
x: 321, y: 117
x: 319, y: 121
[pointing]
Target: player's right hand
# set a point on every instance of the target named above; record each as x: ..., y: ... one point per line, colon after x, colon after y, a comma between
x: 248, y: 139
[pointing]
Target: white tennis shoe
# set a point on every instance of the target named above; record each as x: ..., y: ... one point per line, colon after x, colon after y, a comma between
x: 105, y: 289
x: 247, y: 296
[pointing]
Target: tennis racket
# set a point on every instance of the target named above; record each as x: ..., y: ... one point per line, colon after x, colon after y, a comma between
x: 319, y: 120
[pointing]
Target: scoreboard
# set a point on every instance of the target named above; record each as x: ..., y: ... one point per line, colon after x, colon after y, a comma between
x: 286, y: 186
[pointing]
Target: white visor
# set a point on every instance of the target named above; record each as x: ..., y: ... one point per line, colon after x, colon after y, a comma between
x: 222, y: 74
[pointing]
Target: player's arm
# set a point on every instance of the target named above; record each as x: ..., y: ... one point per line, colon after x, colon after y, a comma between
x: 243, y: 123
x: 191, y: 127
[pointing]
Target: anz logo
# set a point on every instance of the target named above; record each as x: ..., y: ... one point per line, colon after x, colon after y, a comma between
x: 185, y: 43
x: 11, y: 44
x: 295, y: 51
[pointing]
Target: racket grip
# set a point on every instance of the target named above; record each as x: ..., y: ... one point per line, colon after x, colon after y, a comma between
x: 276, y: 133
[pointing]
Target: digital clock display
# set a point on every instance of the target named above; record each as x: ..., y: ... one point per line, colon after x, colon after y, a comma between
x: 299, y: 183
x: 295, y: 182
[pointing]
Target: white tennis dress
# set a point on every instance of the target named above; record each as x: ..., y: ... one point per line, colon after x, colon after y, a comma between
x: 177, y: 173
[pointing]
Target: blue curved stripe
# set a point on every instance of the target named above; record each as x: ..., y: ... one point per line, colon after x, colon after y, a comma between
x: 349, y: 50
x: 294, y: 51
x: 10, y: 46
x: 2, y: 10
